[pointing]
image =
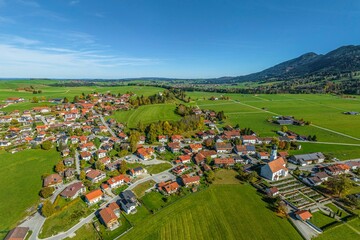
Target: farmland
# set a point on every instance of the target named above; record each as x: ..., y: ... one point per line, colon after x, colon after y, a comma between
x: 196, y: 217
x: 20, y: 182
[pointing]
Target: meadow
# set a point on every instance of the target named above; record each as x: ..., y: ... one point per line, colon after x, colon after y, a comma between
x: 20, y: 182
x: 147, y: 114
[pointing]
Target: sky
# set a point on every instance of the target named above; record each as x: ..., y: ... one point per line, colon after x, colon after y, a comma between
x: 166, y: 38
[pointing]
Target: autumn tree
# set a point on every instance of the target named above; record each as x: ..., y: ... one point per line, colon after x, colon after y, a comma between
x: 46, y: 192
x: 46, y: 145
x: 123, y: 167
x: 47, y: 209
x: 59, y: 167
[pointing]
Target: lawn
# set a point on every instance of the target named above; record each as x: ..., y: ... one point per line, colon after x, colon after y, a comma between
x: 320, y: 219
x: 158, y: 168
x: 342, y: 231
x: 147, y: 114
x: 223, y: 176
x: 336, y: 210
x: 154, y: 201
x: 65, y: 219
x: 110, y: 235
x: 86, y: 232
x: 219, y: 212
x: 140, y: 189
x: 20, y: 182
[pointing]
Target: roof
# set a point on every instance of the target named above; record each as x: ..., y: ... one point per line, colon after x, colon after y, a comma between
x: 52, y: 179
x: 174, y: 145
x: 113, y: 206
x: 223, y: 145
x: 72, y: 189
x: 303, y: 214
x: 17, y: 233
x: 224, y: 161
x: 171, y: 187
x: 190, y: 179
x: 94, y: 173
x: 94, y: 194
x: 277, y: 165
x: 118, y: 178
x: 107, y: 215
x: 309, y: 157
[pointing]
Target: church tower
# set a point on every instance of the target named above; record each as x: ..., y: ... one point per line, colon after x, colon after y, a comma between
x: 273, y: 154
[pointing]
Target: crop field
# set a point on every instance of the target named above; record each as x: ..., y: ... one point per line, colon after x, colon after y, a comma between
x: 147, y: 114
x: 243, y: 215
x: 7, y: 89
x: 20, y: 182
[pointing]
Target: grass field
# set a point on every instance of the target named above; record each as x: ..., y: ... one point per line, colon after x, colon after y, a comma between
x: 140, y: 189
x: 223, y: 176
x: 219, y: 212
x: 7, y: 89
x: 20, y: 182
x: 86, y: 232
x: 147, y: 114
x: 157, y: 168
x: 320, y: 219
x: 65, y: 219
x: 343, y: 231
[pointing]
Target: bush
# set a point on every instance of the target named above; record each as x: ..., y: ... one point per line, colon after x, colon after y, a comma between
x: 46, y: 192
x: 46, y: 145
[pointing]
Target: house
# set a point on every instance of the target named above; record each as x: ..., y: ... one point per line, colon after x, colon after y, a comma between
x: 202, y: 155
x: 337, y: 169
x: 303, y: 215
x: 18, y: 233
x: 94, y: 196
x: 95, y: 175
x: 115, y: 207
x: 174, y: 147
x: 85, y: 155
x: 145, y: 153
x: 274, y: 169
x: 195, y: 147
x: 101, y: 153
x: 141, y: 140
x: 117, y: 181
x: 248, y: 139
x: 184, y: 159
x: 162, y: 139
x: 353, y: 164
x: 306, y: 159
x: 68, y: 161
x: 224, y: 162
x: 180, y: 169
x: 245, y: 149
x: 73, y: 191
x: 137, y: 171
x: 263, y: 155
x: 272, y: 192
x: 108, y: 218
x: 69, y: 173
x: 53, y: 180
x: 317, y: 178
x: 176, y: 138
x: 222, y: 147
x: 190, y: 180
x: 168, y: 187
x: 128, y: 201
x: 105, y: 160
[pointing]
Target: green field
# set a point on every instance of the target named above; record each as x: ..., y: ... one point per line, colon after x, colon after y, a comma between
x: 158, y: 168
x: 86, y: 232
x: 7, y: 89
x: 219, y: 212
x: 350, y: 230
x: 320, y: 219
x: 140, y: 189
x: 147, y: 114
x: 20, y: 182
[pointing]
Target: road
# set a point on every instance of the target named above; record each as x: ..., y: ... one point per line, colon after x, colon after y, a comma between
x: 105, y: 124
x: 43, y: 120
x: 36, y: 222
x: 77, y: 162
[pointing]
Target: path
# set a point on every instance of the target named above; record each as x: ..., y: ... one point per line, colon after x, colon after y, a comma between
x: 105, y: 124
x: 329, y: 130
x: 332, y: 143
x: 77, y: 162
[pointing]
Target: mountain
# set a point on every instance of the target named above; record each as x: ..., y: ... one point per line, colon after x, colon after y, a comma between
x: 342, y: 60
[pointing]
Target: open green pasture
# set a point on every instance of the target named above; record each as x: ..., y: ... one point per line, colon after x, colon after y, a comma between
x: 219, y: 212
x: 147, y: 114
x: 20, y: 182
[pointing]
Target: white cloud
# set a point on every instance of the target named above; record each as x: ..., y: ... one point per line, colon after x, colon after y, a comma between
x: 16, y: 61
x: 13, y: 39
x: 74, y: 2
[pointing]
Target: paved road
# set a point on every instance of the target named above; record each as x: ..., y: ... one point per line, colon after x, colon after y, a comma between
x: 43, y: 120
x: 107, y: 126
x: 306, y: 231
x: 77, y: 162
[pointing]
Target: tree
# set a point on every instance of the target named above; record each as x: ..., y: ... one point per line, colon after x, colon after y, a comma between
x: 210, y: 176
x: 46, y: 192
x: 47, y: 209
x: 99, y: 165
x: 35, y: 100
x: 314, y: 138
x: 59, y: 167
x: 46, y: 145
x: 339, y: 185
x: 14, y: 122
x: 82, y: 175
x: 284, y: 129
x: 297, y: 171
x: 208, y: 160
x: 133, y: 140
x: 76, y: 99
x: 66, y: 100
x: 123, y: 167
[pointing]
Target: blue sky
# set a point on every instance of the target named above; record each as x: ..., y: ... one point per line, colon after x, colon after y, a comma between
x: 166, y: 38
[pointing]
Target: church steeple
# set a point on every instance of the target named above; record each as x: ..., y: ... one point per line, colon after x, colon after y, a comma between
x: 273, y: 154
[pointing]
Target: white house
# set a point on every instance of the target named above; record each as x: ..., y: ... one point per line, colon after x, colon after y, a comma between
x: 274, y: 170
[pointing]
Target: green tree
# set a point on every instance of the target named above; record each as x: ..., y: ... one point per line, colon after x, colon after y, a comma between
x: 284, y: 129
x: 123, y: 167
x: 47, y: 209
x: 133, y: 140
x: 99, y: 165
x: 46, y: 192
x: 210, y: 176
x: 46, y: 145
x: 66, y: 100
x: 82, y: 175
x: 339, y: 185
x: 35, y: 100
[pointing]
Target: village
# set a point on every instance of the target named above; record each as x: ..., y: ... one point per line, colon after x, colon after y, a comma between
x: 102, y: 163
